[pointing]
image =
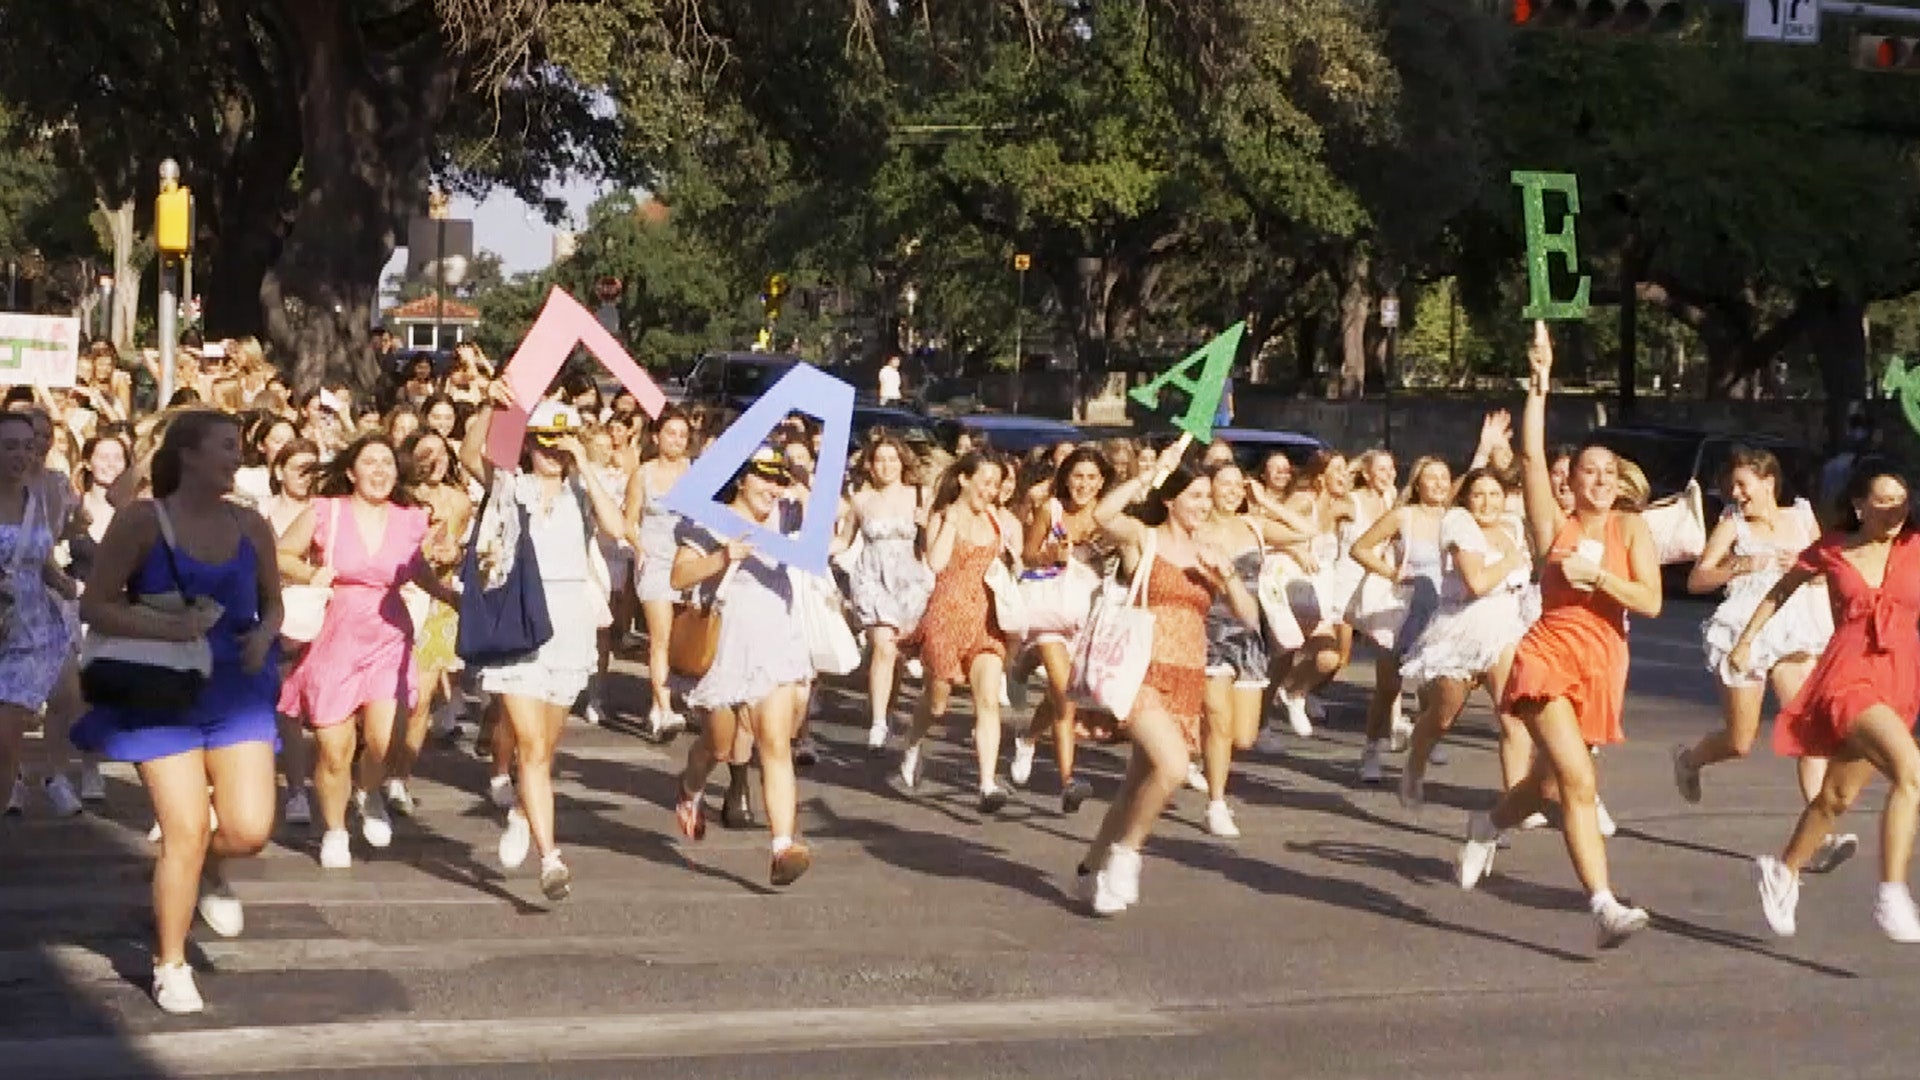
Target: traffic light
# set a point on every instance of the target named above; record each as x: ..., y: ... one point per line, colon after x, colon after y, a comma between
x: 774, y: 297
x: 173, y: 220
x: 1881, y: 52
x: 1626, y: 16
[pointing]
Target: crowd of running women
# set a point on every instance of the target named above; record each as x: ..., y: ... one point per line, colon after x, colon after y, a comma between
x: 318, y: 549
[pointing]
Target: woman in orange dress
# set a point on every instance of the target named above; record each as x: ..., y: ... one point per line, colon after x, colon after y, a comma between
x: 1569, y: 677
x: 1857, y: 707
x: 957, y: 639
x: 1184, y: 576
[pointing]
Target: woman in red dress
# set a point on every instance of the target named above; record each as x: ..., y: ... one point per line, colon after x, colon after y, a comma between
x: 957, y: 640
x: 1569, y: 677
x: 1857, y: 707
x: 1184, y: 577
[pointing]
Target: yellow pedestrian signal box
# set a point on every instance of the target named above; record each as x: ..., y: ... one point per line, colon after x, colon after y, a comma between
x: 173, y: 221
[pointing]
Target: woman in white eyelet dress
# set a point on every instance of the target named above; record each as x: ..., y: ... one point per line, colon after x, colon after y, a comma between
x: 887, y: 583
x: 1748, y: 561
x: 755, y: 690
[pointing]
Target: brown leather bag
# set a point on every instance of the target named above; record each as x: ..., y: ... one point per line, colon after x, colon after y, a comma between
x: 695, y: 635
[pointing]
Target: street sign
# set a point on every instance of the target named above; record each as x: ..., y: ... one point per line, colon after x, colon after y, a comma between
x: 1793, y: 22
x: 1390, y: 312
x: 1022, y: 262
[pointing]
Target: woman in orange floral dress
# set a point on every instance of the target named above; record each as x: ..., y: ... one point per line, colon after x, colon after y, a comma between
x: 957, y: 639
x: 1183, y: 578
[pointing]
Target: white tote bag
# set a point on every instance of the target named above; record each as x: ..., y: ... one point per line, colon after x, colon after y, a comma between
x: 1112, y: 655
x: 1283, y: 626
x: 830, y: 643
x: 305, y: 606
x: 1679, y: 525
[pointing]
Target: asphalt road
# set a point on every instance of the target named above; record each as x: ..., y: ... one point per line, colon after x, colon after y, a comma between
x: 1328, y: 942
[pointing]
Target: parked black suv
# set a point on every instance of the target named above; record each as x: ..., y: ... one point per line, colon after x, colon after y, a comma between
x: 1672, y: 456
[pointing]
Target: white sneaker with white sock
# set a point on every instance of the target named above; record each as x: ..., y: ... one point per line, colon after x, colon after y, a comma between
x: 877, y: 735
x: 1196, y: 776
x: 1893, y: 910
x: 1117, y: 886
x: 910, y: 767
x: 1220, y: 820
x: 1476, y: 854
x: 336, y: 850
x: 1779, y: 893
x: 1022, y: 769
x: 174, y: 990
x: 1401, y: 731
x: 1297, y: 718
x: 220, y: 909
x: 374, y: 823
x: 515, y: 840
x: 1616, y: 921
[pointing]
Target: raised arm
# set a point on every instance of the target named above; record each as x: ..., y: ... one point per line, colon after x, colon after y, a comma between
x: 1110, y: 513
x: 473, y: 447
x: 1543, y: 510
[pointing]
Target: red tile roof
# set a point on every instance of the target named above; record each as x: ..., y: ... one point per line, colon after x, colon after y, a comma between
x: 427, y: 308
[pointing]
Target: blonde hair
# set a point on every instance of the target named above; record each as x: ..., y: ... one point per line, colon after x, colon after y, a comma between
x: 1410, y: 494
x: 1634, y: 491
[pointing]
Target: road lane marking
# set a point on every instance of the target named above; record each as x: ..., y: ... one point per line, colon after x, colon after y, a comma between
x: 403, y: 1043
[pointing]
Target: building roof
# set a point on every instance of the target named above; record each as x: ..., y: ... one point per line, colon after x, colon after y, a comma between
x: 427, y: 309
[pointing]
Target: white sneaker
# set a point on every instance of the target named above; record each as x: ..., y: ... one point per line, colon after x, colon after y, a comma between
x: 910, y: 767
x: 515, y: 840
x: 663, y: 723
x: 174, y: 990
x: 221, y: 910
x: 915, y: 669
x: 336, y: 850
x: 1402, y: 731
x: 1006, y: 699
x: 61, y: 795
x: 591, y: 714
x: 1476, y: 855
x: 1438, y: 756
x: 374, y: 823
x: 1535, y: 820
x: 1370, y: 770
x: 399, y: 799
x: 1895, y: 913
x: 153, y: 834
x: 1117, y: 885
x: 1617, y: 922
x: 299, y: 811
x: 1196, y: 777
x: 877, y: 736
x: 1833, y: 851
x: 446, y: 719
x: 17, y: 800
x: 1297, y: 717
x: 500, y: 791
x: 1022, y: 769
x: 1779, y: 893
x: 1607, y: 827
x: 93, y: 786
x: 1220, y: 820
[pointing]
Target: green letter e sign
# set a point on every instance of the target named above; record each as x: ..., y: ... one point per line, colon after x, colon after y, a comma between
x: 1540, y: 243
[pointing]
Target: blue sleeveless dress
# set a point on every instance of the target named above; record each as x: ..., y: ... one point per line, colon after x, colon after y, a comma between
x: 236, y: 707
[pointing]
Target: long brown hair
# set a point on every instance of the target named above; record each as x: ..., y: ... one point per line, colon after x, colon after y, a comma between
x: 186, y: 430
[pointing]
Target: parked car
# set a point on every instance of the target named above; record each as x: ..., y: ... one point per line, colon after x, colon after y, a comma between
x: 1251, y: 446
x: 733, y: 379
x: 1672, y: 456
x: 1010, y: 433
x: 919, y: 433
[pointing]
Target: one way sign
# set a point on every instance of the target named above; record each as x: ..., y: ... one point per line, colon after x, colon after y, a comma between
x: 1795, y: 22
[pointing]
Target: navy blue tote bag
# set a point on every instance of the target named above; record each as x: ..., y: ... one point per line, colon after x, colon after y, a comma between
x: 498, y: 626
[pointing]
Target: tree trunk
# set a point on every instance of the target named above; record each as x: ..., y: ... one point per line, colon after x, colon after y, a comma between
x: 1355, y: 304
x: 367, y: 121
x: 1629, y: 367
x: 125, y: 309
x: 1306, y: 350
x: 1837, y: 332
